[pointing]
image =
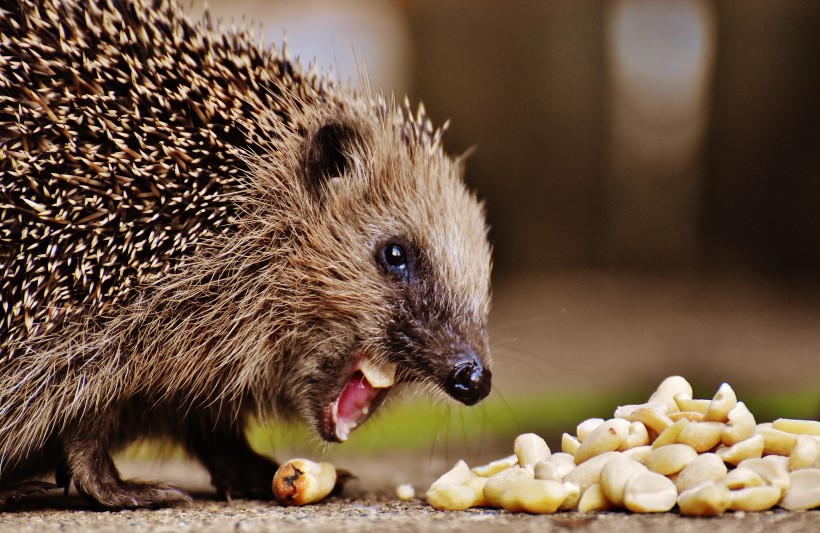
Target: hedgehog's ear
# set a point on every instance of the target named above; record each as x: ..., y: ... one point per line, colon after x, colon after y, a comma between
x: 328, y: 154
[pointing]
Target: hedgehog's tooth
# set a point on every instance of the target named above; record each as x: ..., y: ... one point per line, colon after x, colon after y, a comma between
x: 381, y: 375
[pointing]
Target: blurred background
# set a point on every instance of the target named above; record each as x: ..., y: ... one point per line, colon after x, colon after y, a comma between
x: 651, y: 171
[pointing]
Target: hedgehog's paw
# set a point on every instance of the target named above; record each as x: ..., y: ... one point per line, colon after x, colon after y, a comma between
x: 97, y: 479
x: 10, y: 495
x: 132, y: 495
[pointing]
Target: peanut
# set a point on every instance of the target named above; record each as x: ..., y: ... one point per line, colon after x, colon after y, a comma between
x: 706, y: 467
x: 670, y: 434
x: 569, y: 444
x: 668, y: 389
x: 563, y: 463
x: 775, y: 441
x: 586, y: 427
x: 702, y: 436
x: 805, y: 454
x: 300, y: 482
x: 724, y: 401
x: 626, y: 411
x: 670, y: 459
x: 405, y: 492
x: 686, y: 403
x: 496, y: 466
x: 614, y: 476
x: 773, y: 473
x: 704, y: 499
x: 609, y: 436
x: 745, y: 449
x: 533, y: 496
x: 455, y: 476
x: 741, y: 425
x: 648, y: 492
x: 451, y: 497
x: 594, y: 499
x: 804, y: 490
x: 798, y: 427
x: 741, y: 478
x: 652, y: 419
x: 573, y: 496
x: 760, y: 498
x: 638, y: 436
x: 495, y: 486
x: 530, y: 449
x: 639, y: 453
x: 589, y: 472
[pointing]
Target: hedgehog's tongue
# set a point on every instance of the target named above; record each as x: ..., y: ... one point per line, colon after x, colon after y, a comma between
x: 363, y: 393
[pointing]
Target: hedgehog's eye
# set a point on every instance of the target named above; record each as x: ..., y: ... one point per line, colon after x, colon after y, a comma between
x: 395, y: 258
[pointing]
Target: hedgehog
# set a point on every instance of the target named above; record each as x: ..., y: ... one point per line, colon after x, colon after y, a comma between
x: 196, y: 231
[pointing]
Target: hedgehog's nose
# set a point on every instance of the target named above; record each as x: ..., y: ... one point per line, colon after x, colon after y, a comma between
x: 469, y: 381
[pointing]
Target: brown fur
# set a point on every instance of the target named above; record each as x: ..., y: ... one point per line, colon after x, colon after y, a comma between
x: 271, y: 297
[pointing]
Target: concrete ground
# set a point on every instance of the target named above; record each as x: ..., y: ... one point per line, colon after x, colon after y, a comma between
x: 368, y: 504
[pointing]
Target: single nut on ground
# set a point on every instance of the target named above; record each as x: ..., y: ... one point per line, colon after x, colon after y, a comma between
x: 804, y: 490
x: 760, y: 498
x: 609, y: 436
x: 405, y: 492
x: 529, y: 448
x: 301, y: 481
x: 670, y: 459
x: 704, y: 499
x: 706, y: 467
x: 648, y: 492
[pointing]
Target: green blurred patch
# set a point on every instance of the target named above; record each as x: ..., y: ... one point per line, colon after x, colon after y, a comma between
x: 422, y: 425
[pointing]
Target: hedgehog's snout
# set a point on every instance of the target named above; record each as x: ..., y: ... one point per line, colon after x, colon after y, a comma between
x: 469, y: 381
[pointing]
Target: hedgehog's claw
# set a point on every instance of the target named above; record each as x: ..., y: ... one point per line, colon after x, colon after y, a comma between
x: 11, y: 494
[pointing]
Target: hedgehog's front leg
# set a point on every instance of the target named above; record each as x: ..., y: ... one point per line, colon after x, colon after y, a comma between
x: 236, y: 470
x: 97, y: 479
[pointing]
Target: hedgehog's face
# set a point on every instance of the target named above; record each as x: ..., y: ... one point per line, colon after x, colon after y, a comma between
x: 403, y: 289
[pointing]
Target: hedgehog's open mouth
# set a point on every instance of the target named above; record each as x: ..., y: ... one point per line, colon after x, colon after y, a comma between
x: 365, y: 390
